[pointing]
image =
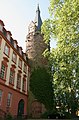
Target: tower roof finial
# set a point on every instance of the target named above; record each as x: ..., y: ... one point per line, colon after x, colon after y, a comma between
x: 38, y: 7
x: 38, y: 20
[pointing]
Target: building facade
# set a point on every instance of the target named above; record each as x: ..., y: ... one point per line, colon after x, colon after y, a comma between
x: 14, y: 75
x: 35, y: 46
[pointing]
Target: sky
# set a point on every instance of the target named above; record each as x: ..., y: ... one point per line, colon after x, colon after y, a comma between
x: 17, y: 15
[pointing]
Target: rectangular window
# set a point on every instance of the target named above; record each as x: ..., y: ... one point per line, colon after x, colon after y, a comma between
x: 9, y: 99
x: 14, y: 57
x: 18, y: 80
x: 24, y: 85
x: 3, y: 72
x: 12, y: 77
x: 6, y: 49
x: 1, y: 96
x: 25, y: 68
x: 20, y: 63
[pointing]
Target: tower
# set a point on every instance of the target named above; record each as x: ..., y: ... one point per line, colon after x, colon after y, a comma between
x: 35, y: 46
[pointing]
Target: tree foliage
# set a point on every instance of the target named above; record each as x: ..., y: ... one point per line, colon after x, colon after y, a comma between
x: 63, y: 26
x: 41, y: 87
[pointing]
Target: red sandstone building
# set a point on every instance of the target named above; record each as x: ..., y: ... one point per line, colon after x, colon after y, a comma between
x: 14, y: 74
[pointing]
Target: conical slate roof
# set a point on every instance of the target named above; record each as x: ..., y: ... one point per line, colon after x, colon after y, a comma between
x: 38, y: 21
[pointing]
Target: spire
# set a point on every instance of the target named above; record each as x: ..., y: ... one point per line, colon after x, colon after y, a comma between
x: 38, y: 20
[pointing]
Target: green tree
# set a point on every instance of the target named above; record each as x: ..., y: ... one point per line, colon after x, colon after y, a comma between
x: 63, y: 26
x: 41, y: 87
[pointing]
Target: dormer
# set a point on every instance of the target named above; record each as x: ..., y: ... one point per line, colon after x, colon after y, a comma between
x: 1, y: 25
x: 9, y: 35
x: 24, y: 56
x: 20, y: 50
x: 15, y: 44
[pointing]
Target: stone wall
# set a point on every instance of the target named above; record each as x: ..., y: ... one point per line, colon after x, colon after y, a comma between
x: 35, y: 47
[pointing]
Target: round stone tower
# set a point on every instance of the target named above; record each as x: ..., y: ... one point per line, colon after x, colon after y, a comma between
x: 35, y: 46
